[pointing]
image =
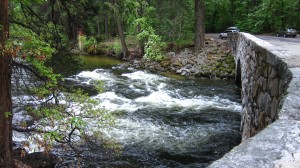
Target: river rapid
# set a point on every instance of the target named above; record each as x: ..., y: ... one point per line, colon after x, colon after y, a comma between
x: 163, y: 120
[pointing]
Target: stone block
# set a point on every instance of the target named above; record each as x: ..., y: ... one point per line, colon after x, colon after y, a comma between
x: 273, y: 86
x: 273, y: 147
x: 274, y: 109
x: 271, y: 59
x: 272, y: 72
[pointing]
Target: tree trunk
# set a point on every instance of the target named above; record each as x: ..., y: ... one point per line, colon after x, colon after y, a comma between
x: 106, y: 25
x: 122, y: 36
x: 120, y: 30
x: 98, y: 26
x: 199, y: 24
x: 6, y: 156
x: 141, y: 42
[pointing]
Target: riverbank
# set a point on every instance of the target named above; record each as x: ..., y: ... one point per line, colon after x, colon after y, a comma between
x: 214, y: 61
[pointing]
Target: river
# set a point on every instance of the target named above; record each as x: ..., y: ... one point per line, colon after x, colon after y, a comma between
x: 164, y: 120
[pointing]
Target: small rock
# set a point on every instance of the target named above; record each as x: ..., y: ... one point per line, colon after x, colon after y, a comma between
x: 200, y: 61
x: 136, y: 62
x: 170, y: 54
x: 185, y: 72
x: 225, y: 64
x: 184, y: 62
x: 177, y: 64
x: 188, y: 66
x: 185, y: 51
x: 194, y: 70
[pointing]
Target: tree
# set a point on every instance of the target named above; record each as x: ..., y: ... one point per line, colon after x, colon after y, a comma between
x: 117, y: 7
x: 199, y: 24
x: 120, y: 28
x: 6, y: 155
x: 173, y: 24
x: 28, y: 50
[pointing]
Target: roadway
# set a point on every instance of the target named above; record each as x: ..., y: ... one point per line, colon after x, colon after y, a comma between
x: 290, y: 44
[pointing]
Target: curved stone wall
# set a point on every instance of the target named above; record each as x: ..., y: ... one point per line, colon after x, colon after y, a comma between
x: 264, y: 79
x: 270, y: 79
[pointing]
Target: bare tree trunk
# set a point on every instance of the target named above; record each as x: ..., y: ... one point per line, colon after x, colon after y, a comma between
x: 98, y: 26
x: 122, y: 37
x: 6, y: 156
x: 120, y: 30
x: 106, y: 25
x: 141, y: 42
x: 199, y: 24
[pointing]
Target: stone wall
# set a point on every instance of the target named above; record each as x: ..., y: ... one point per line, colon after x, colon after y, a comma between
x: 264, y: 78
x: 270, y: 80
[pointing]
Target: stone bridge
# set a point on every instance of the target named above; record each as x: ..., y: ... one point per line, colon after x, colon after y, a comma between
x: 270, y: 82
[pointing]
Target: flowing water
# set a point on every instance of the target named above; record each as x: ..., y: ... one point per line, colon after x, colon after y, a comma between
x: 163, y: 121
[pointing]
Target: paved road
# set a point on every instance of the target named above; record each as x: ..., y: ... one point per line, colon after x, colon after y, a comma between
x: 291, y: 44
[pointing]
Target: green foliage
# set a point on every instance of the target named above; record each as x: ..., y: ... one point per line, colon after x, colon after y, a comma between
x: 63, y: 116
x: 252, y: 16
x: 174, y: 19
x: 153, y: 48
x: 32, y: 49
x: 28, y: 45
x: 99, y: 86
x: 218, y: 15
x: 55, y: 35
x: 109, y: 47
x: 31, y: 15
x: 7, y: 114
x: 89, y: 43
x: 154, y: 44
x: 115, y: 46
x: 131, y: 41
x: 77, y: 118
x: 91, y: 46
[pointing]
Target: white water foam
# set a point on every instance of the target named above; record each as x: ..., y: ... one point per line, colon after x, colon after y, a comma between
x: 97, y: 74
x: 131, y: 130
x: 142, y: 75
x: 163, y: 99
x: 156, y: 136
x: 113, y: 102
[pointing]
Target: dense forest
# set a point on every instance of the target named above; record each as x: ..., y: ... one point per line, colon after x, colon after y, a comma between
x: 147, y: 20
x: 31, y: 31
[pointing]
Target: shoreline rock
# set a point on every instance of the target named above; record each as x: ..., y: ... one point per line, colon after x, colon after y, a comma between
x: 214, y: 61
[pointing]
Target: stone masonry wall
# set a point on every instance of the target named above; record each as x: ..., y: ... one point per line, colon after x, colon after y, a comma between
x: 264, y: 79
x: 270, y: 78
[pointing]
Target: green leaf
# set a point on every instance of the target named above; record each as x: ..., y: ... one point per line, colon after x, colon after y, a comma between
x: 7, y: 114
